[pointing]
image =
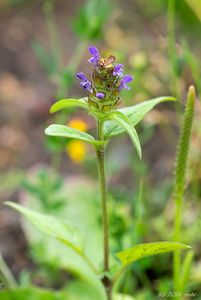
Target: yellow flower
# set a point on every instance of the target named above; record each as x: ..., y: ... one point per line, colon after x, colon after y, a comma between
x: 76, y: 149
x: 78, y: 124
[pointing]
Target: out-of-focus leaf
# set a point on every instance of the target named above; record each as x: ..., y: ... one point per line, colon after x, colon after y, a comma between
x: 75, y: 291
x: 80, y: 291
x: 46, y: 189
x: 122, y: 297
x: 125, y: 123
x: 66, y: 103
x: 194, y: 63
x: 51, y: 226
x: 196, y: 7
x: 81, y: 200
x: 88, y: 24
x: 134, y: 113
x: 46, y: 60
x: 31, y: 293
x: 68, y: 132
x: 130, y: 255
x: 54, y: 144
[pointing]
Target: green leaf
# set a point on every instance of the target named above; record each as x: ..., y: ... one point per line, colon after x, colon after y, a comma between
x: 125, y: 123
x: 59, y: 229
x: 122, y: 297
x: 66, y: 103
x: 72, y: 292
x: 135, y: 114
x: 130, y: 255
x: 31, y: 293
x: 68, y: 132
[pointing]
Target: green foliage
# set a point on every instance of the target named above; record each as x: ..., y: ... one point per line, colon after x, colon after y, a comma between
x: 122, y: 297
x: 16, y: 2
x: 67, y: 103
x: 134, y: 113
x: 123, y: 121
x: 46, y: 189
x: 89, y: 24
x: 129, y: 256
x: 46, y: 59
x: 81, y: 206
x: 73, y: 292
x: 30, y: 293
x: 59, y: 229
x: 68, y: 132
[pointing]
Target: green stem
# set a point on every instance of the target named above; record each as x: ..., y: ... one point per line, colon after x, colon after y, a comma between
x: 100, y: 152
x: 177, y: 238
x: 180, y: 180
x: 172, y: 47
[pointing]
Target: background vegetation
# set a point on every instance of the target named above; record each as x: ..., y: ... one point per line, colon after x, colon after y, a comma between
x: 42, y: 45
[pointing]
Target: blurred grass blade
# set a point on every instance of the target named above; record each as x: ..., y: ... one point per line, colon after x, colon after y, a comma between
x: 134, y: 113
x: 66, y: 103
x: 59, y: 229
x: 123, y: 121
x: 6, y: 277
x: 193, y: 62
x: 89, y: 24
x: 71, y: 133
x: 131, y: 255
x: 46, y: 60
x: 185, y: 271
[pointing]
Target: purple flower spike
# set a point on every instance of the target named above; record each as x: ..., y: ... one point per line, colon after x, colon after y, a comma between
x: 118, y: 70
x: 85, y: 83
x: 100, y: 95
x: 123, y: 84
x: 95, y: 55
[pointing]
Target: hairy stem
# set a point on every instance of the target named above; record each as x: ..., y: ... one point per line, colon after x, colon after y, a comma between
x: 103, y: 191
x: 177, y: 238
x: 180, y: 179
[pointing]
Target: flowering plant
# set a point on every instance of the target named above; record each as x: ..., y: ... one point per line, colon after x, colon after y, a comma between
x: 102, y: 99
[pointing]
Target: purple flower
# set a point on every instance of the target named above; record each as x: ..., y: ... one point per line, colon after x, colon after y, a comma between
x: 95, y: 55
x: 118, y: 70
x: 100, y: 95
x: 85, y: 83
x: 123, y: 84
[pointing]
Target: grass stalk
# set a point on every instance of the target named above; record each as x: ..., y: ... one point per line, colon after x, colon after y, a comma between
x: 180, y: 180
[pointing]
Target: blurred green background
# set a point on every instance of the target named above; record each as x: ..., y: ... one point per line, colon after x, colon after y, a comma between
x: 42, y: 46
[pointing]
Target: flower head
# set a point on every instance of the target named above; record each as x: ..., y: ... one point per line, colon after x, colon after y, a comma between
x: 85, y: 83
x: 106, y: 82
x: 95, y: 55
x: 124, y: 82
x: 100, y: 95
x: 118, y: 70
